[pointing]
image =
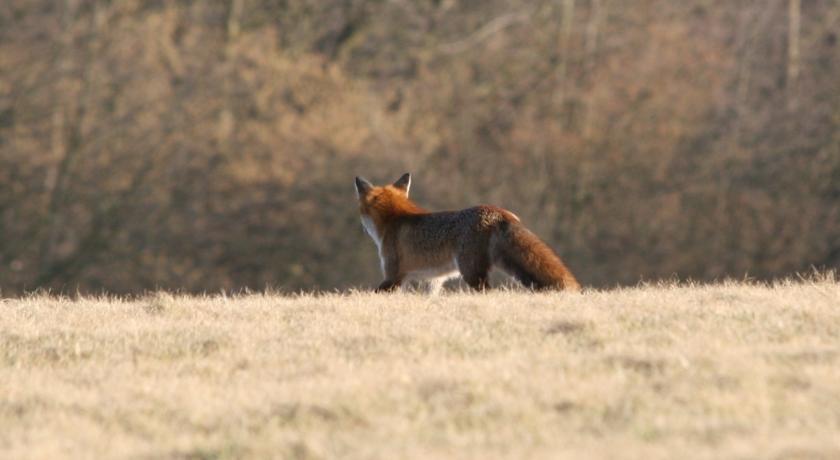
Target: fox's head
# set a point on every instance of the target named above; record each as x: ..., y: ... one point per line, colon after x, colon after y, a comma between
x: 377, y: 204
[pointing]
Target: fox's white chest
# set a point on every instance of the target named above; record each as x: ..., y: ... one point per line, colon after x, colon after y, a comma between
x: 370, y: 228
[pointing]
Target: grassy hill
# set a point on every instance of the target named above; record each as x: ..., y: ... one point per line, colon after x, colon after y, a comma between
x: 730, y: 370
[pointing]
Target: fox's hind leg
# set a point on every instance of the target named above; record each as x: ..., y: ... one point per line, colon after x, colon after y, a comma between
x: 474, y: 268
x: 477, y: 282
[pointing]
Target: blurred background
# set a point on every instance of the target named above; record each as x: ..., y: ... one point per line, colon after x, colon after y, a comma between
x: 209, y: 145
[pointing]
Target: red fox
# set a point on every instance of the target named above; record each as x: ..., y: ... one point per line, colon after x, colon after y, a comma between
x: 435, y: 246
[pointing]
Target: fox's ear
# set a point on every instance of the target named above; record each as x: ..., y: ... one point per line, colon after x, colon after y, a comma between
x: 403, y: 183
x: 362, y: 186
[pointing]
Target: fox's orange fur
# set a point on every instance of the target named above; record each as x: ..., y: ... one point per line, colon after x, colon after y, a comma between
x: 417, y: 244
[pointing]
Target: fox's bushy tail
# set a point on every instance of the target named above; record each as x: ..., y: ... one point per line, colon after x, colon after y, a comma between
x: 518, y: 251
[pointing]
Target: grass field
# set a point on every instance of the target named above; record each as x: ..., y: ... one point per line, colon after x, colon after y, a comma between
x: 721, y: 371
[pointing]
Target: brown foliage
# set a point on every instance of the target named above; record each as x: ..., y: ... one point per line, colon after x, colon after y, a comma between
x: 212, y: 145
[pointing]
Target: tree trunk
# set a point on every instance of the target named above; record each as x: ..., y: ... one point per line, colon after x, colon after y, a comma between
x: 227, y: 123
x: 593, y: 27
x: 566, y: 24
x: 55, y: 182
x: 794, y: 25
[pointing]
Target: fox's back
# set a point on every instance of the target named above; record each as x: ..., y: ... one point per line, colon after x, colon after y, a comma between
x: 433, y: 238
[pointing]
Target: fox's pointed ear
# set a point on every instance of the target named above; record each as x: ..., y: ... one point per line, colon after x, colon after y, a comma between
x: 403, y: 183
x: 362, y: 186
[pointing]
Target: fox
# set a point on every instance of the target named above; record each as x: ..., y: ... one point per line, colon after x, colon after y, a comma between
x: 416, y: 244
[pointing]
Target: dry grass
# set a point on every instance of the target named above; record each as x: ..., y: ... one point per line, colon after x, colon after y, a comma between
x: 724, y: 371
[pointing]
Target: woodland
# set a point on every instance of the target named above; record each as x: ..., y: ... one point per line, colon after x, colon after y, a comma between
x: 204, y: 146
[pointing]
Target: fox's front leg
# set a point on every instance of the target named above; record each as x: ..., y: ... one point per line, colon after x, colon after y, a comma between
x: 393, y: 278
x: 388, y: 286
